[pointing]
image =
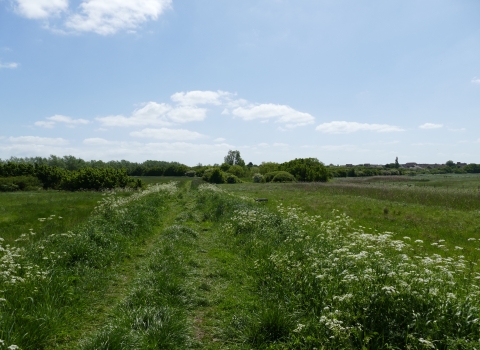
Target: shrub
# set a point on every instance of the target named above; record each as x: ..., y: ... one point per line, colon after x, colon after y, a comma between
x: 283, y: 176
x: 190, y: 173
x: 19, y: 183
x: 236, y: 170
x: 232, y: 179
x: 214, y: 176
x: 96, y: 179
x: 258, y: 178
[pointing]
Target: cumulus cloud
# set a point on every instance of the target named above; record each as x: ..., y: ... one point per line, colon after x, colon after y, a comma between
x: 476, y: 80
x: 36, y: 140
x: 192, y: 98
x: 40, y: 9
x: 11, y: 65
x: 68, y: 121
x: 343, y: 127
x: 96, y: 141
x: 280, y: 113
x: 156, y: 114
x: 168, y: 134
x: 430, y: 126
x: 106, y: 17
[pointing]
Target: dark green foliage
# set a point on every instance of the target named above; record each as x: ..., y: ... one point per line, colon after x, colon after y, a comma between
x: 19, y: 183
x: 283, y: 176
x: 307, y: 169
x: 190, y: 173
x: 96, y: 179
x: 236, y: 170
x: 232, y: 179
x: 214, y: 176
x: 50, y: 176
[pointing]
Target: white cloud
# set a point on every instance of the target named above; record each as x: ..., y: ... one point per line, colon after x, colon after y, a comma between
x: 68, y: 121
x: 476, y: 80
x: 281, y: 113
x: 44, y: 124
x: 156, y: 114
x: 11, y: 65
x: 343, y: 127
x: 168, y: 134
x: 36, y: 140
x: 41, y: 9
x: 220, y: 139
x: 106, y: 17
x: 96, y: 141
x: 187, y: 114
x: 193, y: 98
x: 430, y: 126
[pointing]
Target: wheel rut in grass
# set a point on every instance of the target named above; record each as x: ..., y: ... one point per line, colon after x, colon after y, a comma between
x: 120, y: 279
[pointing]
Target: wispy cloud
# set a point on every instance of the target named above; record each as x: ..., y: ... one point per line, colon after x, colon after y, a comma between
x: 168, y: 134
x: 156, y: 114
x: 10, y: 65
x: 476, y: 80
x: 36, y: 140
x: 193, y: 98
x: 67, y: 121
x: 430, y: 126
x: 280, y: 113
x: 343, y: 127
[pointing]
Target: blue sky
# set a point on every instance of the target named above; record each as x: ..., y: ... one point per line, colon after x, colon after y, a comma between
x: 342, y: 81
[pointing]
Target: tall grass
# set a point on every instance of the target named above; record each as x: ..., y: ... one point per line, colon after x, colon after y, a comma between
x: 47, y: 284
x: 335, y: 285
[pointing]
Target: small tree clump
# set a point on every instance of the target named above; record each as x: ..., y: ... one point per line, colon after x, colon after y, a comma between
x: 214, y: 176
x: 236, y: 170
x: 232, y: 179
x: 283, y: 176
x: 190, y: 173
x: 258, y: 178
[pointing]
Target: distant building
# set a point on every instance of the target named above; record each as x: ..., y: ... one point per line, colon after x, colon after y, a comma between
x: 410, y: 165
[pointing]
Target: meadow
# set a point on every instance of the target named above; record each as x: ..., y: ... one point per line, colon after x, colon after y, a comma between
x: 371, y: 263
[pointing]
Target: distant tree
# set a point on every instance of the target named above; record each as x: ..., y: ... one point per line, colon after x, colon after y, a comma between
x: 450, y: 163
x: 234, y: 158
x: 397, y: 165
x: 236, y: 170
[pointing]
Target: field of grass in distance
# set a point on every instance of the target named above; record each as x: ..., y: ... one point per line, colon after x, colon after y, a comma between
x: 20, y: 211
x: 431, y: 214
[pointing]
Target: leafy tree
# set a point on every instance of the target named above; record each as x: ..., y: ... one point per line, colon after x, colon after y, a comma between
x: 307, y: 169
x: 234, y: 158
x: 450, y: 163
x: 397, y: 164
x: 236, y: 170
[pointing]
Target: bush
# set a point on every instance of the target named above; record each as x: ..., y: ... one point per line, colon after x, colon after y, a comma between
x: 232, y: 179
x: 96, y: 179
x: 258, y: 178
x: 236, y: 170
x: 19, y: 183
x: 214, y: 176
x: 283, y: 176
x: 190, y: 173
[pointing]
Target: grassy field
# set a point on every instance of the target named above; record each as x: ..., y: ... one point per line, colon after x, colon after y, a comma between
x: 447, y: 209
x: 379, y: 263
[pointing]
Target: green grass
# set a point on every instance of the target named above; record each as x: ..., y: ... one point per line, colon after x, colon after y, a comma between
x: 20, y: 211
x: 430, y: 214
x: 202, y: 268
